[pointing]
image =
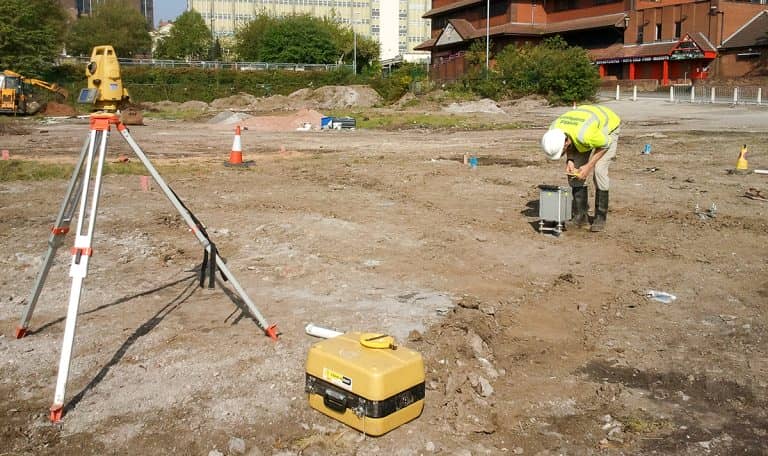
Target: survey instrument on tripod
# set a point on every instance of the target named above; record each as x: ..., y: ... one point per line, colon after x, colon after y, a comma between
x: 83, y: 194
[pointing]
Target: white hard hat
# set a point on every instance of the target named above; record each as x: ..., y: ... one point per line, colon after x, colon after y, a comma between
x: 552, y: 142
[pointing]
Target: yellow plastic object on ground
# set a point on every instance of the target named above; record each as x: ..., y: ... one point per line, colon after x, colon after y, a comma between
x: 373, y: 390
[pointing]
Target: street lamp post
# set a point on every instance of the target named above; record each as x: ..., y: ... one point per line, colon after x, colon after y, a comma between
x: 487, y: 33
x: 354, y: 21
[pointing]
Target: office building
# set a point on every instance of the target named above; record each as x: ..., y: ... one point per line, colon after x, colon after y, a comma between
x: 397, y: 25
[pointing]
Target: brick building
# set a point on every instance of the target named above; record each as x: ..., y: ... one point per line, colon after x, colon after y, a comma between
x: 77, y: 8
x: 745, y: 52
x: 664, y: 40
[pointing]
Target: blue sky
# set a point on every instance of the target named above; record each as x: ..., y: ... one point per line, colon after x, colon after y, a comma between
x: 167, y: 10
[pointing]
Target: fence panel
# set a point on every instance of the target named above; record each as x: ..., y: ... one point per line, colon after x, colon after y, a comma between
x: 686, y: 93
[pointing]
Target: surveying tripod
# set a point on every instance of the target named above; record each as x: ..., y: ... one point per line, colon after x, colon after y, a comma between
x: 83, y: 194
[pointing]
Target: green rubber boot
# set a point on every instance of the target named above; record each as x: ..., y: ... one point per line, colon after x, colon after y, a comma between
x: 580, y: 207
x: 601, y: 211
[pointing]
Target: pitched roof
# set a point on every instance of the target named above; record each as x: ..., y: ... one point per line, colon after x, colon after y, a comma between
x: 453, y: 6
x: 467, y: 31
x: 753, y: 33
x: 656, y: 49
x: 586, y: 23
x: 620, y: 51
x: 425, y: 46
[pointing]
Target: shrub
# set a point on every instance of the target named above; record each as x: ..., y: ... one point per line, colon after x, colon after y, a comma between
x: 553, y: 69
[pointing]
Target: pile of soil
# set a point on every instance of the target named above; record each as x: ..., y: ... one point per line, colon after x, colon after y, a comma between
x: 485, y: 105
x: 241, y: 100
x: 288, y: 122
x: 58, y: 109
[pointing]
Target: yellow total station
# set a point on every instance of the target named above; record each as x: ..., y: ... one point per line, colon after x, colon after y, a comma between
x: 105, y: 85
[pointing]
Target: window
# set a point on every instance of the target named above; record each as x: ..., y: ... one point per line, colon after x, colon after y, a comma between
x: 561, y: 5
x: 678, y: 28
x: 498, y: 8
x: 640, y: 34
x: 657, y: 36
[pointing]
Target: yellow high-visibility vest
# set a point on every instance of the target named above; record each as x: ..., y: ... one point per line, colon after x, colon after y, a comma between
x: 588, y: 126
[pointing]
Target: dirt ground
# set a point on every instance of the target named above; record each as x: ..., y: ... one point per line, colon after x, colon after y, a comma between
x: 533, y: 344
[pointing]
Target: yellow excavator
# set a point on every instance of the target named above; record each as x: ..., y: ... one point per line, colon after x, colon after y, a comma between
x: 16, y: 93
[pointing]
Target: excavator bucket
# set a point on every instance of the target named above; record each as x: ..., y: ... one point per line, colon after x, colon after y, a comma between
x: 132, y: 116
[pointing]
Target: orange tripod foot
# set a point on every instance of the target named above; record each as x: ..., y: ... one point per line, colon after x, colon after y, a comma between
x: 57, y: 412
x: 272, y: 332
x: 20, y: 332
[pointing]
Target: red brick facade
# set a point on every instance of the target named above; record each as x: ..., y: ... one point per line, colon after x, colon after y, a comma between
x: 666, y: 40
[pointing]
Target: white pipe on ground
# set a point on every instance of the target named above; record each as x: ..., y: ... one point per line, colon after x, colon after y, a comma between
x: 323, y: 333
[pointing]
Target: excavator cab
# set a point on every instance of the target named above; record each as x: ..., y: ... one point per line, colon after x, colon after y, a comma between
x: 12, y: 100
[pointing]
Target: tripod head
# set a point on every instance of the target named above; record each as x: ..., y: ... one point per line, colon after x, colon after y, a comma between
x: 105, y: 86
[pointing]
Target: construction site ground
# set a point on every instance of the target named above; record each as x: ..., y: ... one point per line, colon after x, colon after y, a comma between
x: 534, y: 344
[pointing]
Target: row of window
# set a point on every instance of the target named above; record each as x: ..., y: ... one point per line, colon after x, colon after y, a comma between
x: 341, y: 3
x: 657, y: 36
x: 561, y: 5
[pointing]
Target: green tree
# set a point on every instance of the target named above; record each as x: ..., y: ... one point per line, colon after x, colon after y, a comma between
x: 249, y: 40
x: 190, y: 38
x: 298, y: 39
x: 112, y: 22
x: 30, y: 32
x: 367, y: 48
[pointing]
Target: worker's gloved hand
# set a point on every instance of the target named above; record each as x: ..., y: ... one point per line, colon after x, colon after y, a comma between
x: 570, y: 168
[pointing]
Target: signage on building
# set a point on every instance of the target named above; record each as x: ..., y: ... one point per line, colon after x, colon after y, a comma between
x: 651, y: 58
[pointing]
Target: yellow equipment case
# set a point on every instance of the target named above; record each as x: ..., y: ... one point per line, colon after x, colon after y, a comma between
x: 374, y: 390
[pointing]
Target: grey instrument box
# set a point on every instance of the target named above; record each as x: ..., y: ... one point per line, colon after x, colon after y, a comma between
x: 554, y: 206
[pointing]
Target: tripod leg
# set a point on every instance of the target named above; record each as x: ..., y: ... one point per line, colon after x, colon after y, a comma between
x: 56, y: 238
x: 81, y: 254
x: 270, y: 330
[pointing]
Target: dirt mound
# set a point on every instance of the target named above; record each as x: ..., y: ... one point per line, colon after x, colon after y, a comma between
x: 527, y: 102
x: 229, y: 117
x: 288, y: 122
x: 164, y: 105
x: 194, y: 105
x: 241, y: 100
x: 275, y: 103
x: 485, y: 105
x: 58, y: 109
x: 335, y: 97
x: 328, y: 97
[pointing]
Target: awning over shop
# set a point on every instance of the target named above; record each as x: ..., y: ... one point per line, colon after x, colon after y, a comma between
x: 690, y: 47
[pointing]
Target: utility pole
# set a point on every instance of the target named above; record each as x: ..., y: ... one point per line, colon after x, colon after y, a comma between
x: 487, y: 34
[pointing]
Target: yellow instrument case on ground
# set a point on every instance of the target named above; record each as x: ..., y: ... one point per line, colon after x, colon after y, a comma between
x: 374, y: 390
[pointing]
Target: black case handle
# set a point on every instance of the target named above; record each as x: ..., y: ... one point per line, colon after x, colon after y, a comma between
x: 335, y: 400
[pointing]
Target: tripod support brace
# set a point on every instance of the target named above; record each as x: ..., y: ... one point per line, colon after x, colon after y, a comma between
x: 77, y: 197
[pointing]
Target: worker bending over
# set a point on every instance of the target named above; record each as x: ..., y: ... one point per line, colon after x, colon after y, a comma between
x: 588, y: 135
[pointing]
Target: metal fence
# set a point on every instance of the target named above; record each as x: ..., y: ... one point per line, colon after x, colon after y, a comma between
x: 686, y: 93
x: 238, y: 66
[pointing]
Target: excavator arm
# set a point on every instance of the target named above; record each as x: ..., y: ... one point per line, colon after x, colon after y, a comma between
x: 48, y: 86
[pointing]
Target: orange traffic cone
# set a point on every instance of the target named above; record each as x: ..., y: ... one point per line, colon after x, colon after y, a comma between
x: 741, y: 163
x: 236, y: 156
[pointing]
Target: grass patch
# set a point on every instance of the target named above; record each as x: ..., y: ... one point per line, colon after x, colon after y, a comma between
x: 406, y: 121
x: 24, y: 170
x: 644, y: 425
x: 15, y: 170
